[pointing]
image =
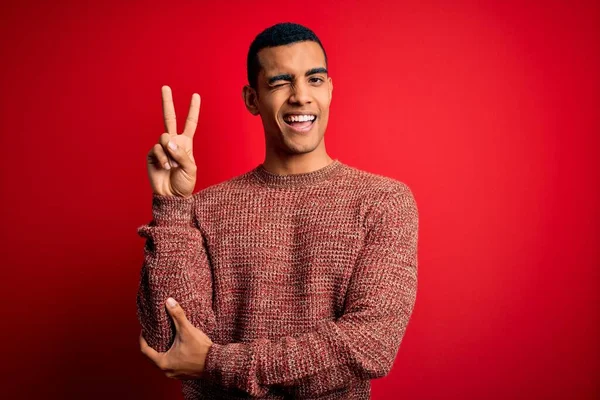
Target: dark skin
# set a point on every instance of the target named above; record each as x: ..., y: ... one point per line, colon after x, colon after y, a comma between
x: 187, y: 356
x: 293, y: 79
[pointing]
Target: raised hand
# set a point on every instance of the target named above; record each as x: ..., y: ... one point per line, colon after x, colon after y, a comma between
x: 171, y: 165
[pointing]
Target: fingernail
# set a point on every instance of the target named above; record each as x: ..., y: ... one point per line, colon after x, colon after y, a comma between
x: 171, y: 302
x: 172, y: 145
x: 174, y: 164
x: 167, y: 166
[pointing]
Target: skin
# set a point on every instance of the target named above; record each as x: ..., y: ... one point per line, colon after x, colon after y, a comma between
x: 187, y: 356
x: 293, y: 78
x: 288, y: 152
x: 172, y: 170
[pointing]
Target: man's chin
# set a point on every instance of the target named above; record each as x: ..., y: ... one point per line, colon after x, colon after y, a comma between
x: 294, y: 145
x: 290, y: 142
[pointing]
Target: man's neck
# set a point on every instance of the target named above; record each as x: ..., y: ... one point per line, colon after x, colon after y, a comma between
x: 296, y: 164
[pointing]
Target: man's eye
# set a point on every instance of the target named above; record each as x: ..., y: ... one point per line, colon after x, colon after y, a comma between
x: 316, y: 80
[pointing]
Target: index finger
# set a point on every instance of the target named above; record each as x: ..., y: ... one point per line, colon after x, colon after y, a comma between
x: 192, y: 119
x: 169, y: 110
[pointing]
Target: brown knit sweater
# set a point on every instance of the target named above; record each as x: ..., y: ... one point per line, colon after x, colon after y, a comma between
x: 305, y: 283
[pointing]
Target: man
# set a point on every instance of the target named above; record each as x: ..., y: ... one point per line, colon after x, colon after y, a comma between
x: 294, y: 280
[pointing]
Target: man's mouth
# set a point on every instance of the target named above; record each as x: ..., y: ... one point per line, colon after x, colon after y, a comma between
x: 300, y: 122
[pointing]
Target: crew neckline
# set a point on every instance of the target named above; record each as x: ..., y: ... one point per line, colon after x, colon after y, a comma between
x: 296, y: 180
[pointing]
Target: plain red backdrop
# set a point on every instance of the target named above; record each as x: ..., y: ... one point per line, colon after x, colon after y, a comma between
x: 487, y: 110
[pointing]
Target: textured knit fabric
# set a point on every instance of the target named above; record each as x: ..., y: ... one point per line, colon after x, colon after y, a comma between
x: 305, y: 283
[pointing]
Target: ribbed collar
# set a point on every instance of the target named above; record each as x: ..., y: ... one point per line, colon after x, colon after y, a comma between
x: 296, y: 180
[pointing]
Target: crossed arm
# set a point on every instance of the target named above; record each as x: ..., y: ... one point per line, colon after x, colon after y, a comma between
x: 361, y: 344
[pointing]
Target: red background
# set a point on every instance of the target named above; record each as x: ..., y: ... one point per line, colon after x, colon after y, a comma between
x: 487, y: 110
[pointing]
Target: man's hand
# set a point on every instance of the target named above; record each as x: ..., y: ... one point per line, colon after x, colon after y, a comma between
x: 172, y: 170
x: 186, y: 357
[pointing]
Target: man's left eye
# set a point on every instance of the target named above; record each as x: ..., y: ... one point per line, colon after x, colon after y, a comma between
x: 316, y: 80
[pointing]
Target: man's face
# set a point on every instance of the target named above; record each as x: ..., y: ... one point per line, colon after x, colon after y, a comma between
x: 294, y: 93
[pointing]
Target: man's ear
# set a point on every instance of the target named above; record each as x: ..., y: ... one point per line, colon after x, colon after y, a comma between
x: 330, y: 87
x: 250, y: 99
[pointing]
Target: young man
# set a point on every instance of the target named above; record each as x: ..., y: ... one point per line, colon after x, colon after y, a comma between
x: 296, y: 279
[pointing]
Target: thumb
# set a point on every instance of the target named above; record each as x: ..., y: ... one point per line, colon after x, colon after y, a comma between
x: 180, y: 156
x: 177, y: 314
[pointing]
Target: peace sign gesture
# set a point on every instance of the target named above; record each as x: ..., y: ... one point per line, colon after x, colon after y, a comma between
x: 171, y: 165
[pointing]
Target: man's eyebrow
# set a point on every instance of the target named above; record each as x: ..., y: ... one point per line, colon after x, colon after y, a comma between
x: 318, y: 70
x: 289, y: 77
x: 282, y: 77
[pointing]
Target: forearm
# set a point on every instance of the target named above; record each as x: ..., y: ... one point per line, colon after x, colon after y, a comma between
x: 175, y: 265
x: 333, y: 356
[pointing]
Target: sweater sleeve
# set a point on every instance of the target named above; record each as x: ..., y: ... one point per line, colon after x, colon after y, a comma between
x: 175, y: 265
x: 362, y: 343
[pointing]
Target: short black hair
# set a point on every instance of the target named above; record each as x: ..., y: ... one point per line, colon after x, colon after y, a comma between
x: 277, y: 35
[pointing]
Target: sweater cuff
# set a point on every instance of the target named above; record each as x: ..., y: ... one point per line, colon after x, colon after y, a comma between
x: 211, y: 363
x: 216, y: 360
x: 232, y: 366
x: 172, y: 210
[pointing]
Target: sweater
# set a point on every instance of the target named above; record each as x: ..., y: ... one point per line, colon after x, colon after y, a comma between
x: 305, y: 283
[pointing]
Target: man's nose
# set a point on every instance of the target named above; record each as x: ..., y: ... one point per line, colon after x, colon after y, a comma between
x: 300, y: 94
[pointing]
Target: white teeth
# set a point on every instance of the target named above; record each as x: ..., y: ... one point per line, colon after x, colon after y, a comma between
x: 299, y: 118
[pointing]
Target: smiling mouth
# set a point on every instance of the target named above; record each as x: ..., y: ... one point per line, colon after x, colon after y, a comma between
x: 300, y: 123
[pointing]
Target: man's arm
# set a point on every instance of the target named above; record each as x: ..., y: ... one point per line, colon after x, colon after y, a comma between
x: 175, y: 265
x: 363, y: 343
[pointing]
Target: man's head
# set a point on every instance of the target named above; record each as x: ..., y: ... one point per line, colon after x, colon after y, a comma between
x: 289, y: 83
